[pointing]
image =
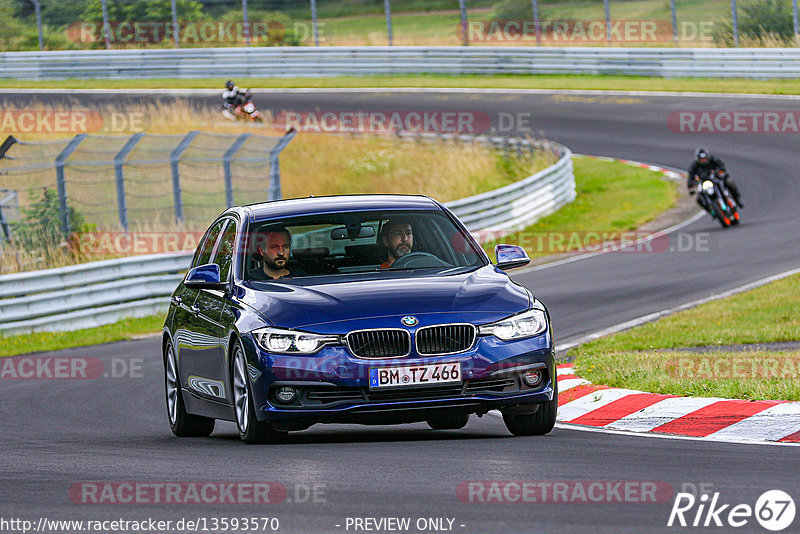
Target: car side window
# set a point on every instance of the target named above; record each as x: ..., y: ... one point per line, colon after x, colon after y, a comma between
x: 207, y: 247
x: 224, y: 254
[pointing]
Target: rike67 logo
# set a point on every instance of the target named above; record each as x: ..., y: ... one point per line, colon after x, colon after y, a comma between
x: 774, y: 510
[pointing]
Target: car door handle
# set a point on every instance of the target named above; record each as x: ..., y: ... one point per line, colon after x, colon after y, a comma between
x: 195, y: 310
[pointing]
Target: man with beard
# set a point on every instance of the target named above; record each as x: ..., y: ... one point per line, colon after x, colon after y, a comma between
x: 274, y: 245
x: 398, y: 238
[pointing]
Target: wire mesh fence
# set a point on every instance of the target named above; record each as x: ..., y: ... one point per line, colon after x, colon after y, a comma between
x: 139, y: 181
x: 81, y: 24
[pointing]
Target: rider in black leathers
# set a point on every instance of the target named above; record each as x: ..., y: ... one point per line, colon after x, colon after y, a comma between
x: 702, y: 167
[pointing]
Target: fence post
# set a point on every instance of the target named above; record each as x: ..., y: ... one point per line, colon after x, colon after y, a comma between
x: 4, y: 226
x: 176, y: 177
x: 246, y: 23
x: 462, y: 5
x: 314, y: 22
x: 607, y: 9
x: 106, y: 27
x: 38, y: 8
x: 175, y: 28
x: 735, y: 19
x: 8, y: 143
x: 119, y: 161
x: 388, y: 10
x: 226, y: 166
x: 794, y: 23
x: 61, y: 184
x: 274, y: 168
x: 674, y: 20
x: 536, y: 26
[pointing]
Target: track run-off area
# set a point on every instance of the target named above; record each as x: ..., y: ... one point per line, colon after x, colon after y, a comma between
x: 60, y: 435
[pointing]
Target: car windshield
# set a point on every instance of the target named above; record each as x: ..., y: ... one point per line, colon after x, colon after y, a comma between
x: 356, y: 242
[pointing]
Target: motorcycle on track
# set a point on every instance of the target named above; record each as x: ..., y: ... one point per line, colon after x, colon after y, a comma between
x: 243, y: 110
x: 718, y: 200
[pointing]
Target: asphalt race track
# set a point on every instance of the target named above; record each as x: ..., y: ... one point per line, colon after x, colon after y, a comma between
x: 59, y: 433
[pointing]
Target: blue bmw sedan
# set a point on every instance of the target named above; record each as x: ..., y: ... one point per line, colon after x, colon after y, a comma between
x: 372, y: 309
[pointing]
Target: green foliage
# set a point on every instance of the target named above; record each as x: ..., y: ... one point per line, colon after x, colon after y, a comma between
x: 514, y: 10
x: 10, y: 27
x: 761, y: 22
x: 140, y: 11
x: 59, y: 13
x: 143, y: 11
x: 281, y: 29
x: 39, y: 228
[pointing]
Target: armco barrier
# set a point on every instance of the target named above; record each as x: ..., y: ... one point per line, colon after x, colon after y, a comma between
x: 756, y: 63
x: 92, y: 294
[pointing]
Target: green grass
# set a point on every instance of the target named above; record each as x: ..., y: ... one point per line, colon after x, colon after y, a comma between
x: 770, y: 313
x: 762, y: 315
x: 578, y: 82
x: 774, y: 374
x: 611, y: 198
x: 52, y: 341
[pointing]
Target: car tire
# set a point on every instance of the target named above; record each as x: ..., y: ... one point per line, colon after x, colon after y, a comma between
x: 251, y: 430
x: 453, y: 422
x: 535, y: 424
x: 182, y: 424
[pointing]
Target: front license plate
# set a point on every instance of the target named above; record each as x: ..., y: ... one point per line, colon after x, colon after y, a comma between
x: 415, y: 375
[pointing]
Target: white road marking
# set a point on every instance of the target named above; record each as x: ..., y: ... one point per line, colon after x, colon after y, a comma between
x: 661, y: 412
x: 591, y: 402
x: 570, y: 383
x: 772, y: 424
x: 565, y: 371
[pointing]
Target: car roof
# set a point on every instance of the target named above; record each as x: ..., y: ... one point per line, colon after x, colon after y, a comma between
x: 339, y: 203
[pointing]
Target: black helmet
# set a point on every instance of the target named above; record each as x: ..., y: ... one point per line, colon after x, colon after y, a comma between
x: 229, y: 85
x: 701, y: 153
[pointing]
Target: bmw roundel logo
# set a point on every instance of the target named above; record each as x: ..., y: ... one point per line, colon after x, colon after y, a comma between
x: 409, y: 320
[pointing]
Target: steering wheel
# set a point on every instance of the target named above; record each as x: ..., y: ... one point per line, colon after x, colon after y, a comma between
x: 419, y: 260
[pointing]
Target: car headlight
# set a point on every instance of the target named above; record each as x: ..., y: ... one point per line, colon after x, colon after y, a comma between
x: 526, y: 324
x: 291, y: 341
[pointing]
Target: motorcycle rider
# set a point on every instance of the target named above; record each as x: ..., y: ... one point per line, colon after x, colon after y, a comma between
x: 702, y: 167
x: 232, y: 96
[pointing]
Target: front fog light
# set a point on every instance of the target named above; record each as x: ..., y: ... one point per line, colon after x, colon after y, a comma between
x: 286, y: 395
x: 533, y: 378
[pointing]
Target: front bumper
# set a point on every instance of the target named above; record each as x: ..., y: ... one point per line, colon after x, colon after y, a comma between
x: 334, y: 387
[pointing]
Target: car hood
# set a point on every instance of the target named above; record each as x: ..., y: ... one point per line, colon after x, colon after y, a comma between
x: 335, y: 305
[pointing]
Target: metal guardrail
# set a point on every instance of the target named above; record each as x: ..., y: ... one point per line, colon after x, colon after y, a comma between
x: 371, y: 60
x: 92, y: 294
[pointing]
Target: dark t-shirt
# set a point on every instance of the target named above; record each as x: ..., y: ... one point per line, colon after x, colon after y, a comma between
x: 261, y: 276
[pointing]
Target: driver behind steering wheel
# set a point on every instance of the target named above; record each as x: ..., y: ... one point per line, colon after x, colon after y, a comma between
x: 398, y: 238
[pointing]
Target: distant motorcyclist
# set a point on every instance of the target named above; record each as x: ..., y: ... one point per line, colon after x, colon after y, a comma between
x: 705, y: 165
x: 232, y: 96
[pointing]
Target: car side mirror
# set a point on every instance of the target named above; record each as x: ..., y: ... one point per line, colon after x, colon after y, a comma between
x: 204, y: 277
x: 511, y: 256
